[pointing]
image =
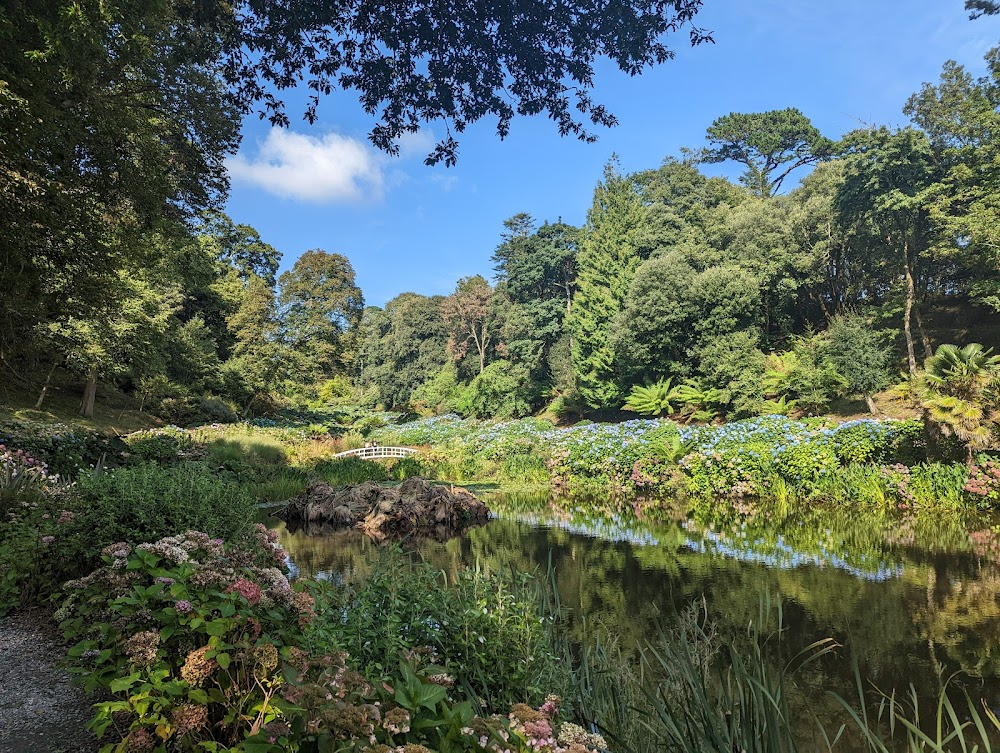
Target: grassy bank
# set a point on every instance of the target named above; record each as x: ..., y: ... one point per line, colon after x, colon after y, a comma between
x: 867, y: 461
x: 178, y: 610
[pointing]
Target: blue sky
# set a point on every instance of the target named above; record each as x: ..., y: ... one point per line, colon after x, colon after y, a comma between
x: 407, y: 227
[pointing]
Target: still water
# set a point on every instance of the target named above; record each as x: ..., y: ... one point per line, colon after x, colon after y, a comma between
x: 916, y: 598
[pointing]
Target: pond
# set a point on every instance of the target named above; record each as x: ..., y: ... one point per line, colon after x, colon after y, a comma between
x: 915, y: 597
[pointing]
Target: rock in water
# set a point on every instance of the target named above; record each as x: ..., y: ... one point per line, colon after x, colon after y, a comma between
x: 382, y: 511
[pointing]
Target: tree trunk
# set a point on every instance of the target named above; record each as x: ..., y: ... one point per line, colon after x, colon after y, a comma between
x: 911, y: 357
x: 45, y: 389
x: 925, y: 340
x: 89, y: 394
x: 872, y: 408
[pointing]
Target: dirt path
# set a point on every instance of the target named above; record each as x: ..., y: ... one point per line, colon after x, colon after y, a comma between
x: 40, y: 712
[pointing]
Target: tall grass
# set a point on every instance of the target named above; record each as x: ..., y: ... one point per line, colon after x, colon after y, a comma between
x: 692, y: 693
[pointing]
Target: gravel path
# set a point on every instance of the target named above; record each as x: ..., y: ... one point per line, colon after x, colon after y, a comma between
x: 40, y: 712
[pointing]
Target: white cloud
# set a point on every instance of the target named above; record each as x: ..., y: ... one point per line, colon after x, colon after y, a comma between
x: 323, y: 169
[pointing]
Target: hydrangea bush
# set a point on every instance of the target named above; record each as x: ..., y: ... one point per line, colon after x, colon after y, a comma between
x: 66, y: 450
x: 647, y: 456
x: 202, y: 646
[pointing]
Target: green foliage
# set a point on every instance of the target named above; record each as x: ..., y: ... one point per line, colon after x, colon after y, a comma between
x: 320, y: 307
x: 536, y: 281
x: 701, y: 403
x: 160, y: 446
x: 769, y: 144
x: 67, y: 450
x: 606, y: 264
x: 500, y: 391
x: 655, y: 327
x: 482, y: 628
x: 345, y: 471
x: 402, y: 347
x: 957, y: 391
x: 149, y: 502
x: 185, y: 636
x: 439, y: 394
x: 653, y: 400
x: 859, y: 354
x: 208, y: 647
x: 805, y: 375
x: 734, y: 365
x: 33, y: 558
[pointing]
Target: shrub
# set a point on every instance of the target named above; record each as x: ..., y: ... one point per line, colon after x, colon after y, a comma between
x: 500, y: 391
x: 482, y: 628
x: 36, y: 556
x: 186, y: 635
x: 66, y: 450
x: 202, y: 646
x: 161, y: 446
x: 983, y: 484
x: 148, y: 502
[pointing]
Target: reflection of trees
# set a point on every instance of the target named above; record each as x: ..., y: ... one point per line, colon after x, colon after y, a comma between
x: 937, y: 612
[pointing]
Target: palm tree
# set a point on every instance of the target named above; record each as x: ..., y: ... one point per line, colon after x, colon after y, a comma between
x: 957, y: 392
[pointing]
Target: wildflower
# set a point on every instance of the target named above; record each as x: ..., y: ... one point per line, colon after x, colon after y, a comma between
x: 64, y: 517
x: 48, y: 539
x: 183, y: 606
x: 165, y: 580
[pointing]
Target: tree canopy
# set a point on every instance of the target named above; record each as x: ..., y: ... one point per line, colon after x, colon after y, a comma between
x: 769, y: 144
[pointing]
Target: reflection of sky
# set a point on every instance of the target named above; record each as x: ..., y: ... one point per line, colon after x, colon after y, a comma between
x: 778, y: 555
x: 612, y: 528
x: 781, y: 556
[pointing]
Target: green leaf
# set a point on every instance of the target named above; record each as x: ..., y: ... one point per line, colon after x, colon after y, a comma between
x: 124, y: 683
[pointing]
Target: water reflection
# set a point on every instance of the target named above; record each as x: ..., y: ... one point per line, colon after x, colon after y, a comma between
x: 916, y: 598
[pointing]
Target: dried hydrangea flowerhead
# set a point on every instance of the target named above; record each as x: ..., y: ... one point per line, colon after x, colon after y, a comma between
x: 396, y: 721
x: 247, y: 589
x: 266, y: 657
x: 141, y: 648
x: 197, y: 668
x: 189, y: 717
x: 139, y: 740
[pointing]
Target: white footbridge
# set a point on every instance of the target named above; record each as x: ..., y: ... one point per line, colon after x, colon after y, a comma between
x: 377, y: 453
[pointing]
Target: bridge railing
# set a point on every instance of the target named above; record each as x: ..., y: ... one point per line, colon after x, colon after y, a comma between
x: 377, y: 453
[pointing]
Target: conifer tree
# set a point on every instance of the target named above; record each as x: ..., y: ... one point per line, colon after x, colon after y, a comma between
x: 606, y: 263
